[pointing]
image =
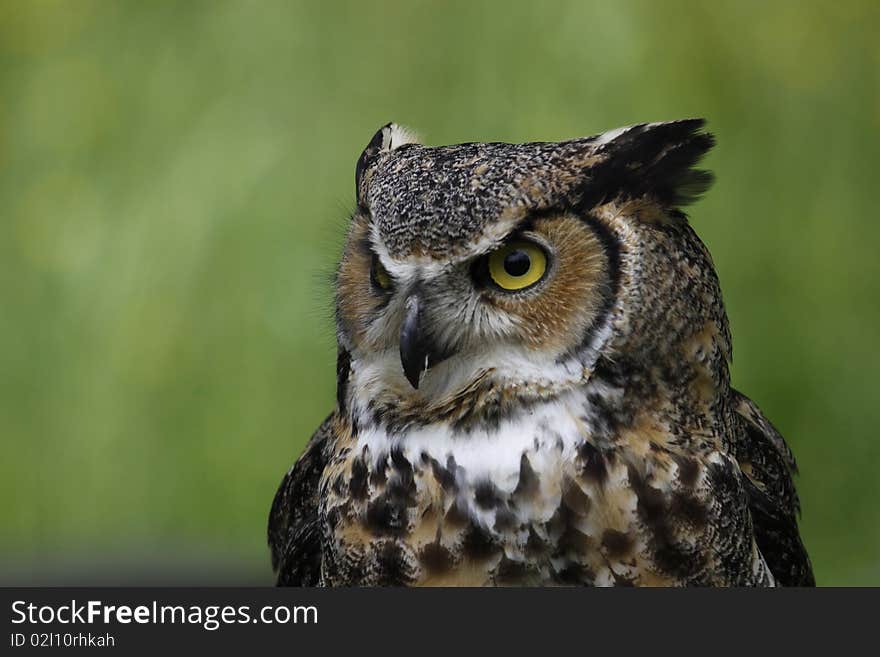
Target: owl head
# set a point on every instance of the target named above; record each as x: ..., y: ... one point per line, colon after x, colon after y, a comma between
x: 484, y: 274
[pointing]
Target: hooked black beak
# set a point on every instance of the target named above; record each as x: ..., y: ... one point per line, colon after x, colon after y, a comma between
x: 417, y: 353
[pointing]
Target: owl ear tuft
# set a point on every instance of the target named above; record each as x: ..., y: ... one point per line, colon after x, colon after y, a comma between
x: 651, y: 159
x: 389, y: 137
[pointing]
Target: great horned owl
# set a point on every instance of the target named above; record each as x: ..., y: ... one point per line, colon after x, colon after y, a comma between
x: 533, y: 381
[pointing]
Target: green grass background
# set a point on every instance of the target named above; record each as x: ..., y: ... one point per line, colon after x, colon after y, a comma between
x: 174, y: 184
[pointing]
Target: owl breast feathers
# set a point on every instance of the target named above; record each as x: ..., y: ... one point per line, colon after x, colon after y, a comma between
x: 533, y: 383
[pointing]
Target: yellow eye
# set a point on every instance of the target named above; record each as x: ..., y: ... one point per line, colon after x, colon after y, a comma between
x: 517, y: 265
x: 379, y: 275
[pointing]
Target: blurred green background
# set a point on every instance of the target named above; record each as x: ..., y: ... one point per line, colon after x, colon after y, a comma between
x: 175, y: 180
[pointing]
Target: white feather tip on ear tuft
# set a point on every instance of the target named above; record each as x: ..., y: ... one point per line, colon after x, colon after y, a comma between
x: 397, y: 135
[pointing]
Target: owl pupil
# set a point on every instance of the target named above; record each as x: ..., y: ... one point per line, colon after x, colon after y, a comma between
x: 517, y: 263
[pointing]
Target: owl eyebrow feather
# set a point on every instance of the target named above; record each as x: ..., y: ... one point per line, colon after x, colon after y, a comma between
x: 526, y: 225
x: 516, y: 232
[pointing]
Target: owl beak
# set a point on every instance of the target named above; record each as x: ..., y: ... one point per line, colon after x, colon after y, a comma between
x: 416, y: 352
